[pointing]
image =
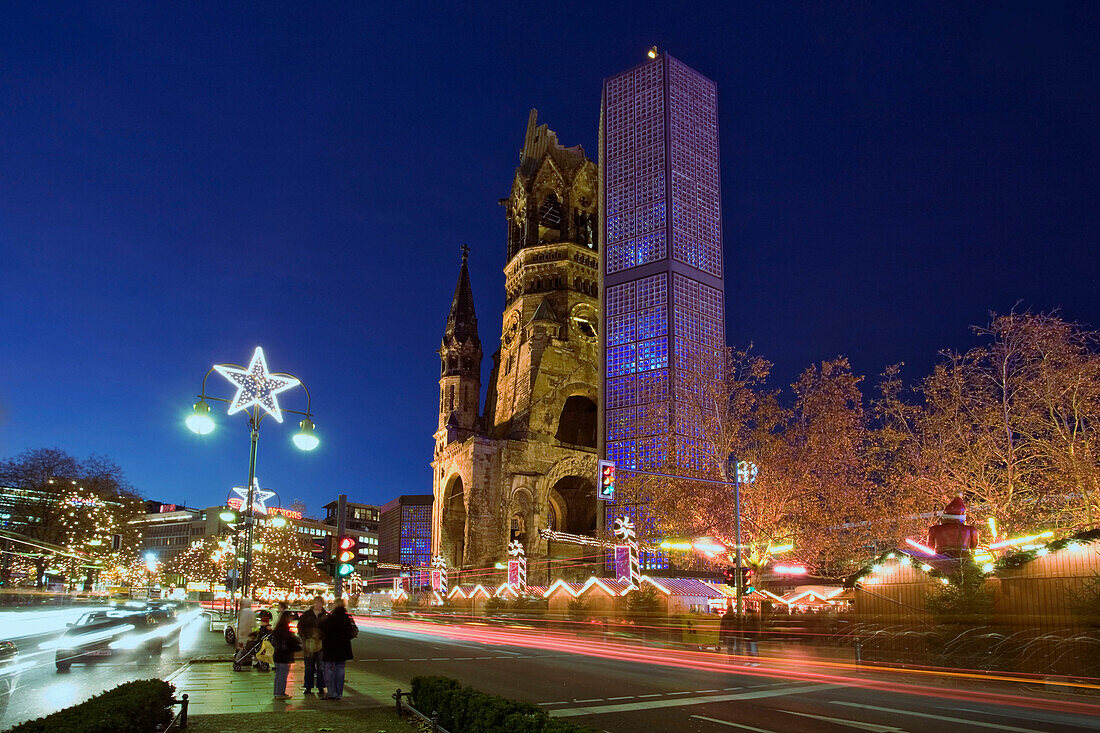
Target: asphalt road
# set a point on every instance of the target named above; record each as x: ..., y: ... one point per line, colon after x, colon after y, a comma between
x: 37, y: 688
x: 627, y: 688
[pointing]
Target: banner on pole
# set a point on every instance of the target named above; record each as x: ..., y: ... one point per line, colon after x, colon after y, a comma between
x: 622, y: 562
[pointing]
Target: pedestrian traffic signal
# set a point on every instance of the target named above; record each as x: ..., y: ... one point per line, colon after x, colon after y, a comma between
x: 607, y: 481
x: 324, y: 548
x: 346, y: 555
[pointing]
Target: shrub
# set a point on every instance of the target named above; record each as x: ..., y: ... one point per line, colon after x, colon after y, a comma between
x: 578, y: 609
x: 472, y: 711
x: 642, y: 605
x: 133, y: 707
x: 495, y: 605
x: 530, y: 604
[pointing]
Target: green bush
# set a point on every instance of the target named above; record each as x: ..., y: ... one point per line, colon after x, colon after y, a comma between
x: 133, y: 707
x: 472, y: 711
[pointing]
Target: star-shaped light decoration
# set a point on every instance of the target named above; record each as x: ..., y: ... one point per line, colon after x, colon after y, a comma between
x: 259, y: 496
x: 256, y: 385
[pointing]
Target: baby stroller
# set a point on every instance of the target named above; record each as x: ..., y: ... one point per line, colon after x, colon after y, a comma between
x: 254, y: 653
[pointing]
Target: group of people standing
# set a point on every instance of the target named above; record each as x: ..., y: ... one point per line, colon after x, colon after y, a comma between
x: 324, y: 639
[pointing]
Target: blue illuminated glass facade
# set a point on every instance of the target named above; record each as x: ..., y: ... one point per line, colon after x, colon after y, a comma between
x: 405, y: 531
x: 663, y: 294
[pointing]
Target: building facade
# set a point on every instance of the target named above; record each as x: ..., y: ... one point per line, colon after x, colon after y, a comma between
x: 663, y: 292
x: 526, y: 459
x: 405, y: 531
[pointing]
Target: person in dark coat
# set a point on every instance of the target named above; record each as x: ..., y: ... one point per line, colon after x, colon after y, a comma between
x: 286, y: 643
x: 727, y: 630
x: 310, y: 632
x: 337, y: 631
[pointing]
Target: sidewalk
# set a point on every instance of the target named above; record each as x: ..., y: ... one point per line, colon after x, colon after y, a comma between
x: 214, y: 688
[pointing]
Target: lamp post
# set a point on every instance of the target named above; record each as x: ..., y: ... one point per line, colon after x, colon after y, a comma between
x: 257, y: 396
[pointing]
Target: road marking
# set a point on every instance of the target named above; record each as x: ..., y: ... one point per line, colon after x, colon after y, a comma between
x: 595, y: 699
x: 681, y: 692
x: 682, y: 701
x: 441, y: 659
x: 996, y: 726
x: 626, y: 697
x: 560, y: 702
x: 703, y: 692
x: 873, y: 727
x: 419, y: 659
x: 463, y: 659
x: 732, y: 725
x: 656, y: 694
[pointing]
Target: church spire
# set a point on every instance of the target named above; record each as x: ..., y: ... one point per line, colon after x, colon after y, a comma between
x: 462, y: 320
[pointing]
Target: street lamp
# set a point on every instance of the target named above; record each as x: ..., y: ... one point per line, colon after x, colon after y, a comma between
x: 257, y: 396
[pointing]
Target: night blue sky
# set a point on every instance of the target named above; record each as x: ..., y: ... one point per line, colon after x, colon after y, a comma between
x: 180, y: 182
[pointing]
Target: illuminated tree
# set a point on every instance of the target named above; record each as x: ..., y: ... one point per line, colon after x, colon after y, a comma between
x: 280, y: 557
x: 206, y: 560
x: 42, y: 486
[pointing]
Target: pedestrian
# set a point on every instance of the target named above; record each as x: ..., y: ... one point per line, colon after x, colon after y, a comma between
x: 747, y: 642
x: 312, y: 642
x: 727, y: 630
x: 337, y: 631
x: 286, y: 643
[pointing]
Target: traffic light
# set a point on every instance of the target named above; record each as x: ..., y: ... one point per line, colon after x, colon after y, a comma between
x: 746, y: 579
x: 346, y: 554
x: 323, y: 551
x: 729, y: 575
x: 607, y: 481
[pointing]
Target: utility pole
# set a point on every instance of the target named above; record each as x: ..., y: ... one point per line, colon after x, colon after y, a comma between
x: 341, y: 528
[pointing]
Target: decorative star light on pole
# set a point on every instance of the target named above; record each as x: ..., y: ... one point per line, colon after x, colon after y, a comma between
x: 259, y: 496
x: 256, y: 385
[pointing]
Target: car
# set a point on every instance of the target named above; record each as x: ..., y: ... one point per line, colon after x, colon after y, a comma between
x: 8, y: 671
x: 103, y: 634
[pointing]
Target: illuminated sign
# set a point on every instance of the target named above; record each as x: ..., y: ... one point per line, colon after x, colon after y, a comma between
x: 85, y: 501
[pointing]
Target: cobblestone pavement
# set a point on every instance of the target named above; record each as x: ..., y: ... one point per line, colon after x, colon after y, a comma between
x: 213, y: 687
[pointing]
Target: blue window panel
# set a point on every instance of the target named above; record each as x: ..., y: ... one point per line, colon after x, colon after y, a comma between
x: 622, y: 452
x: 652, y: 354
x: 652, y: 322
x: 621, y: 391
x: 620, y: 360
x: 621, y: 329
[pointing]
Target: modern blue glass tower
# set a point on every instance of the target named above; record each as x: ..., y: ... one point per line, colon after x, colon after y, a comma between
x: 663, y: 292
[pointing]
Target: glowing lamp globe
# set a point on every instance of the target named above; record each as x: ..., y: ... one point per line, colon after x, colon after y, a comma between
x: 278, y: 521
x: 199, y: 421
x: 306, y: 438
x: 227, y: 516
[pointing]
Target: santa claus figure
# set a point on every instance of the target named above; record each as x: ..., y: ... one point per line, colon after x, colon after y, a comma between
x: 952, y: 536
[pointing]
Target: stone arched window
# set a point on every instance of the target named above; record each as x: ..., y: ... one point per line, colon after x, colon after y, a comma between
x: 550, y: 212
x: 577, y: 423
x: 518, y: 529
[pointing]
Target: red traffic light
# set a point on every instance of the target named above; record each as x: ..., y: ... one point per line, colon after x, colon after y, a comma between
x: 347, y: 543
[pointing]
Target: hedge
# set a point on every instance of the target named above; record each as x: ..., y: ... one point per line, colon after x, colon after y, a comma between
x: 472, y: 711
x: 133, y: 707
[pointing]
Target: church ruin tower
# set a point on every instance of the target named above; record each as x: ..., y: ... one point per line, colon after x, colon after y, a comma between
x: 529, y: 462
x: 550, y: 329
x: 460, y: 365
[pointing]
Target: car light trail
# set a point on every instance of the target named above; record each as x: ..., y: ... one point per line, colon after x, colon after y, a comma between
x: 840, y: 673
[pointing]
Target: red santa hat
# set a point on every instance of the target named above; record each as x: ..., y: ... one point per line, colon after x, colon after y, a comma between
x: 955, y: 509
